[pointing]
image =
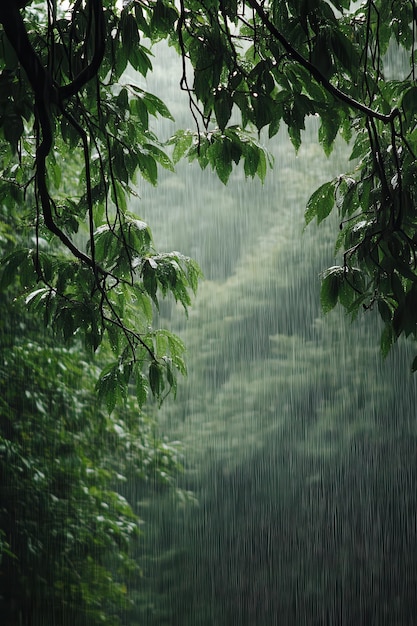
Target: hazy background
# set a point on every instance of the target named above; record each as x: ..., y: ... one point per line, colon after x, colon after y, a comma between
x: 300, y: 442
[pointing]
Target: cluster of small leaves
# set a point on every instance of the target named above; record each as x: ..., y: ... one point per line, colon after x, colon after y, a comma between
x: 238, y: 64
x: 221, y: 150
x: 378, y: 222
x: 72, y: 304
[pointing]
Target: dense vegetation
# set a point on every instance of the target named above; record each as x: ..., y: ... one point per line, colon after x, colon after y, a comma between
x: 66, y: 529
x: 244, y: 67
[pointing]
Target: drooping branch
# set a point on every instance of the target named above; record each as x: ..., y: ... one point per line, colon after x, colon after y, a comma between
x: 316, y: 74
x: 49, y: 100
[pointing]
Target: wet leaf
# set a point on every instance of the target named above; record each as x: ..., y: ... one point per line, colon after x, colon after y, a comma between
x: 320, y: 203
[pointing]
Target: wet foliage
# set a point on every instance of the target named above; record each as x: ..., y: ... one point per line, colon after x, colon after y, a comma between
x: 297, y: 503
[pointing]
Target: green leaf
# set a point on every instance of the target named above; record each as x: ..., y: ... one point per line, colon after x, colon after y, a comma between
x: 156, y: 106
x: 148, y: 167
x: 113, y: 334
x: 330, y: 288
x: 160, y: 156
x: 129, y: 32
x: 105, y: 245
x: 321, y: 57
x: 10, y: 265
x: 118, y: 195
x: 141, y: 388
x: 156, y: 380
x: 121, y: 61
x: 182, y: 141
x: 108, y: 385
x: 140, y: 110
x: 274, y: 125
x: 141, y: 21
x: 295, y: 136
x: 385, y: 311
x: 409, y: 103
x: 119, y: 165
x: 328, y: 131
x: 321, y: 202
x: 223, y: 104
x: 261, y: 169
x: 143, y: 304
x: 346, y: 294
x: 220, y: 156
x: 149, y: 280
x: 122, y: 101
x: 360, y: 147
x: 171, y: 379
x: 138, y: 238
x: 345, y: 51
x: 251, y: 162
x: 139, y: 59
x: 264, y: 110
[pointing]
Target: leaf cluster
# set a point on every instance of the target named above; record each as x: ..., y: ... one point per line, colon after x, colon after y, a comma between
x: 72, y: 304
x: 221, y: 150
x: 376, y: 206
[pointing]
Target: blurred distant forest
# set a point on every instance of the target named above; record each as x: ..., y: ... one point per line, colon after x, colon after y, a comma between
x: 300, y: 440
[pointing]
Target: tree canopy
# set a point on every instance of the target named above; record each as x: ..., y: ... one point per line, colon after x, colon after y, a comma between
x: 67, y: 113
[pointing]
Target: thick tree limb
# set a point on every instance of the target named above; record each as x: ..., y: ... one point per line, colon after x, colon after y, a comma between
x: 15, y: 30
x: 47, y: 94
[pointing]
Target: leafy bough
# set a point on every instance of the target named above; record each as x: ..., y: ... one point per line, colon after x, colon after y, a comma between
x: 244, y: 67
x: 137, y: 277
x: 70, y: 102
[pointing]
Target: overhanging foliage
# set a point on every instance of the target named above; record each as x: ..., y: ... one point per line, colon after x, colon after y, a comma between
x: 245, y: 66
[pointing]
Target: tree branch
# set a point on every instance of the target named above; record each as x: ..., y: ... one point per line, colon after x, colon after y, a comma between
x: 15, y: 30
x: 316, y: 74
x: 46, y: 93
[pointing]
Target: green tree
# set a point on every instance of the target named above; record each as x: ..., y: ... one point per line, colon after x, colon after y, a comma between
x: 67, y: 530
x: 62, y: 101
x: 245, y: 66
x: 68, y: 527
